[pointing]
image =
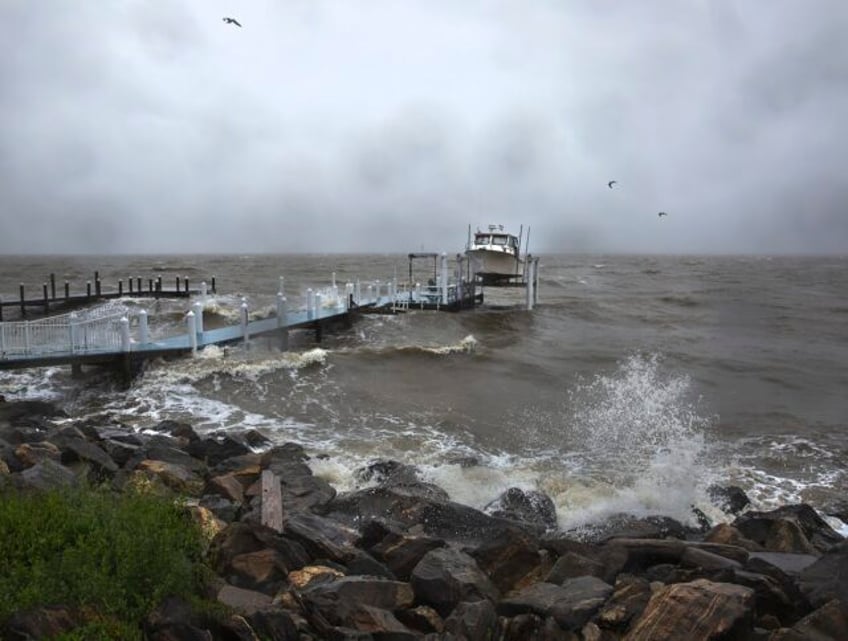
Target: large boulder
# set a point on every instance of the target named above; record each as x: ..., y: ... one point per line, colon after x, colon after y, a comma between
x: 697, y: 611
x: 446, y: 576
x: 827, y: 578
x: 828, y: 623
x: 791, y: 528
x: 526, y: 506
x: 571, y: 604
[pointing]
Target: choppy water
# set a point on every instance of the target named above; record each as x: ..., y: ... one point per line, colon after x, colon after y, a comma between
x: 634, y: 384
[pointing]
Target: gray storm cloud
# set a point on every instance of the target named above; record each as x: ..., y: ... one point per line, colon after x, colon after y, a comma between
x: 326, y: 125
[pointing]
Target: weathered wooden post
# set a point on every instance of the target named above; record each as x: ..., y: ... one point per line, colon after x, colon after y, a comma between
x: 214, y: 290
x: 177, y: 285
x: 138, y: 282
x: 185, y: 279
x: 97, y: 283
x: 150, y: 285
x: 88, y: 288
x: 158, y: 285
x: 120, y: 287
x: 192, y: 331
x: 23, y: 300
x: 67, y: 290
x: 272, y: 501
x: 53, y: 286
x: 46, y: 300
x: 143, y: 331
x: 130, y: 281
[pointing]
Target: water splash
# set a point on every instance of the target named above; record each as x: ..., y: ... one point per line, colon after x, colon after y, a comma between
x: 643, y: 445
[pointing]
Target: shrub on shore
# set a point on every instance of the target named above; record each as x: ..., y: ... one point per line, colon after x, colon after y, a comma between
x: 111, y: 556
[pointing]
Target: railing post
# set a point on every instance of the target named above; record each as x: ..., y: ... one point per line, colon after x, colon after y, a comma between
x: 358, y: 292
x: 192, y: 331
x: 125, y: 334
x: 72, y: 332
x: 143, y: 334
x: 282, y: 288
x: 244, y: 317
x: 281, y: 309
x: 198, y: 317
x: 319, y: 302
x: 444, y: 272
x: 310, y: 303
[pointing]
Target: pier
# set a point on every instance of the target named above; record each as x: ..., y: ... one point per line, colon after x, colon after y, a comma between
x: 122, y: 338
x: 94, y: 292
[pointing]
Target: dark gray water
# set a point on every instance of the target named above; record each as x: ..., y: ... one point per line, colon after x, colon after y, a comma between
x: 635, y: 383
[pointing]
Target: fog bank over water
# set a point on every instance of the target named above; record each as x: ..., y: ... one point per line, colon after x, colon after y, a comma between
x: 323, y: 125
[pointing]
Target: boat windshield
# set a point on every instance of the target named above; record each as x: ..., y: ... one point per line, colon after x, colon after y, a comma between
x: 482, y: 239
x: 500, y: 240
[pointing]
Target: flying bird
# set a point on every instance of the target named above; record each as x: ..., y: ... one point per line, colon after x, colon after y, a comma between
x: 611, y: 183
x: 661, y: 214
x: 232, y: 21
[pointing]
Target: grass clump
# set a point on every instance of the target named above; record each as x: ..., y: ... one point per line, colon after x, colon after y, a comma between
x: 116, y: 555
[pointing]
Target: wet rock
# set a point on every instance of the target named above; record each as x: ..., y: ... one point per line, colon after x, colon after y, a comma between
x: 422, y: 618
x: 473, y: 620
x: 75, y: 449
x: 509, y: 556
x: 178, y: 430
x: 321, y: 537
x: 527, y: 506
x: 629, y: 598
x: 726, y: 534
x: 446, y: 576
x: 571, y: 565
x: 770, y: 598
x: 273, y: 624
x: 827, y: 578
x: 179, y: 479
x: 31, y: 413
x: 571, y: 604
x: 301, y: 489
x: 251, y: 555
x: 402, y: 552
x: 828, y: 623
x: 222, y: 508
x: 244, y: 601
x: 791, y: 528
x: 155, y: 450
x: 340, y: 602
x: 628, y: 526
x: 730, y: 498
x: 450, y: 521
x: 228, y: 486
x: 28, y: 454
x: 46, y: 475
x: 696, y: 611
x: 214, y: 450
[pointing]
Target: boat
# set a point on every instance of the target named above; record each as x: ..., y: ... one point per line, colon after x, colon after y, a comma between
x: 495, y: 255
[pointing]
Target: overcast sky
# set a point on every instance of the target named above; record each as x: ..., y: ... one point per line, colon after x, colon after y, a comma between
x: 151, y: 126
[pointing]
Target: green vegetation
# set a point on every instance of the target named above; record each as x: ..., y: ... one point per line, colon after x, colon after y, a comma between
x: 114, y: 556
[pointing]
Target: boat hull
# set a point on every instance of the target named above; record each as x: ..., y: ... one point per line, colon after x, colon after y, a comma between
x: 495, y: 266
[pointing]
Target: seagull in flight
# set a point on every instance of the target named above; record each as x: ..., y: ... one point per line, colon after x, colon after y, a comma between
x: 611, y: 183
x: 661, y: 214
x: 231, y: 21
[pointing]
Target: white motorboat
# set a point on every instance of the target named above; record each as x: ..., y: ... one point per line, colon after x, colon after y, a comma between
x: 495, y: 255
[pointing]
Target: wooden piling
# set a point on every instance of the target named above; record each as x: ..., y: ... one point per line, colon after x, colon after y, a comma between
x: 53, y: 286
x: 67, y: 290
x: 272, y: 501
x: 23, y: 301
x: 46, y: 300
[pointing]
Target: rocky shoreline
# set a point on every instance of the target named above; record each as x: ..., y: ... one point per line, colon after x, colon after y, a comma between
x: 399, y: 560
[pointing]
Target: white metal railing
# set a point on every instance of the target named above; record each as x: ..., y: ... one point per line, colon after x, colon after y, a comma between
x: 98, y: 329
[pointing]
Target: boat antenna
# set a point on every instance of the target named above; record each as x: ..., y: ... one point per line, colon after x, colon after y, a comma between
x: 468, y: 242
x: 520, y: 234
